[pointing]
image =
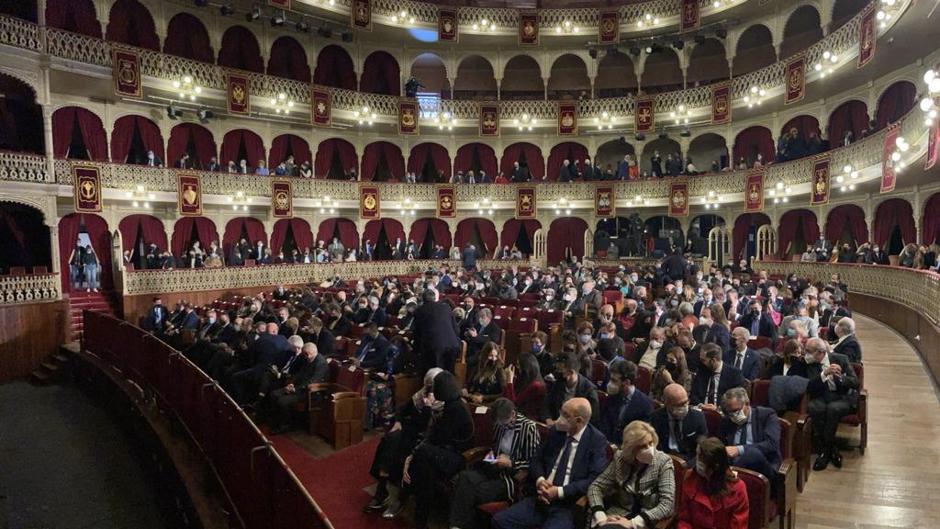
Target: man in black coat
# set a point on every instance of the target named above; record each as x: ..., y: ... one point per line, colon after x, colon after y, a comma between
x: 625, y: 402
x: 674, y: 266
x: 569, y: 384
x: 271, y: 351
x: 833, y: 393
x: 741, y: 356
x: 372, y: 352
x: 713, y: 378
x: 435, y: 334
x: 750, y: 433
x: 311, y: 368
x: 478, y: 335
x: 321, y: 336
x: 678, y: 426
x: 156, y: 316
x: 757, y: 321
x: 847, y: 344
x: 469, y: 258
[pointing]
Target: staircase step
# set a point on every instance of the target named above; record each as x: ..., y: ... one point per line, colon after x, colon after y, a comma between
x: 61, y: 358
x: 49, y: 366
x: 40, y: 378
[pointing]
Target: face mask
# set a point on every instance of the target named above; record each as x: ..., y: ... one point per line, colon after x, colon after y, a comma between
x: 211, y: 321
x: 536, y: 349
x: 655, y: 344
x: 680, y: 413
x: 562, y: 425
x: 705, y: 321
x: 586, y: 290
x: 634, y: 278
x: 613, y: 388
x: 791, y: 332
x: 603, y: 335
x: 810, y: 359
x: 700, y: 469
x: 585, y: 339
x: 645, y: 456
x: 674, y: 303
x: 739, y: 417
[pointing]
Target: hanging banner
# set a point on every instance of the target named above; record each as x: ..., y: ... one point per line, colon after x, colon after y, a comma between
x: 361, y: 14
x: 489, y: 119
x: 679, y: 199
x: 447, y: 29
x: 796, y: 81
x: 608, y: 27
x: 567, y: 119
x: 644, y: 118
x: 369, y: 201
x: 867, y: 35
x: 754, y: 191
x: 933, y: 146
x: 690, y: 15
x: 321, y: 106
x: 446, y: 201
x: 888, y: 174
x: 280, y: 4
x: 604, y: 205
x: 721, y: 103
x: 407, y: 116
x: 821, y: 176
x: 525, y: 202
x: 87, y: 188
x: 529, y: 28
x: 188, y: 194
x: 282, y: 202
x: 125, y: 65
x: 239, y: 98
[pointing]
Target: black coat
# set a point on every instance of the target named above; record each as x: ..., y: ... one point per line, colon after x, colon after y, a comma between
x: 316, y: 370
x: 693, y: 428
x: 584, y: 388
x: 850, y: 348
x: 729, y: 378
x: 435, y: 335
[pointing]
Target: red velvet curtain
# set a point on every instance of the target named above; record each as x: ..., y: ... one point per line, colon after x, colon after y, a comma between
x: 77, y: 16
x: 393, y: 230
x: 253, y: 228
x: 123, y: 133
x: 511, y: 229
x: 205, y: 232
x: 526, y: 152
x: 347, y: 232
x: 186, y: 36
x: 742, y: 226
x: 289, y: 60
x: 805, y: 125
x: 566, y: 235
x: 789, y: 223
x: 484, y: 153
x: 303, y: 237
x: 240, y: 50
x: 851, y: 115
x: 288, y: 142
x: 846, y: 215
x: 393, y: 158
x: 150, y: 227
x: 568, y: 150
x: 468, y: 228
x: 896, y: 101
x: 437, y: 153
x: 63, y: 122
x: 753, y: 141
x: 184, y: 133
x: 931, y: 220
x: 335, y: 68
x: 100, y: 235
x: 130, y: 23
x: 439, y: 230
x: 380, y: 75
x: 324, y: 156
x: 233, y: 141
x: 894, y: 212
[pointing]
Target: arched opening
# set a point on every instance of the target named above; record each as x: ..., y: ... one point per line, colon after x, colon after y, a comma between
x: 521, y: 234
x: 242, y: 144
x: 430, y: 236
x: 801, y: 31
x: 293, y: 234
x: 386, y: 233
x: 574, y: 152
x: 755, y: 50
x: 380, y: 74
x: 341, y: 229
x: 194, y: 140
x: 26, y: 10
x: 24, y: 239
x: 430, y: 163
x: 186, y: 36
x: 931, y: 220
x: 522, y: 79
x: 568, y: 78
x: 527, y: 155
x: 481, y: 233
x: 616, y: 76
x: 798, y: 230
x: 665, y: 148
x: 289, y: 60
x: 894, y: 103
x: 661, y: 71
x: 187, y: 232
x: 382, y: 162
x: 709, y: 153
x: 663, y: 234
x: 698, y: 232
x: 799, y: 137
x: 77, y: 134
x: 285, y: 146
x: 240, y: 50
x: 753, y: 142
x: 132, y: 137
x: 145, y: 238
x: 566, y: 239
x: 430, y: 71
x: 475, y: 79
x: 335, y: 68
x: 845, y: 10
x: 894, y: 225
x: 78, y: 232
x: 611, y: 153
x: 247, y: 229
x: 847, y: 123
x: 76, y: 16
x: 130, y: 23
x: 845, y: 224
x: 476, y: 157
x: 744, y: 235
x: 336, y: 159
x: 20, y: 118
x: 708, y: 63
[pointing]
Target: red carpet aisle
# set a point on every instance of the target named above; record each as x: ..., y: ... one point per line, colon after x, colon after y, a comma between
x: 337, y: 482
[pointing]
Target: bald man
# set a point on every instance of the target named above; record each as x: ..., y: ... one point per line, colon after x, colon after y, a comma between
x: 573, y: 454
x: 678, y: 426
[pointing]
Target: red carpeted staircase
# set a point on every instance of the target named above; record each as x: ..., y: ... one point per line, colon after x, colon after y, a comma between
x: 103, y: 301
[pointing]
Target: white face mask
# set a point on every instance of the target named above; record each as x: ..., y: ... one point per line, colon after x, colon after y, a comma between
x: 613, y: 388
x: 680, y: 413
x: 655, y: 344
x: 738, y: 417
x: 645, y: 456
x: 562, y: 424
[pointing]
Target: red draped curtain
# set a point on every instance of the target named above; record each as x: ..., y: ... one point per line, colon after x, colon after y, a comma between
x: 804, y: 125
x: 568, y: 150
x: 790, y: 222
x: 335, y: 68
x: 846, y: 215
x: 472, y: 155
x: 393, y: 230
x: 422, y: 152
x: 242, y: 140
x: 896, y: 101
x: 289, y: 60
x: 186, y: 135
x: 77, y: 16
x: 300, y: 228
x: 931, y: 220
x: 851, y: 115
x: 348, y: 235
x: 742, y: 225
x: 186, y: 36
x: 473, y: 229
x: 525, y: 154
x: 240, y: 50
x: 439, y: 231
x: 183, y: 229
x: 394, y: 160
x: 63, y: 123
x: 380, y: 75
x: 566, y: 237
x: 890, y: 213
x: 100, y: 235
x: 251, y: 226
x: 510, y: 233
x: 288, y: 143
x: 150, y: 227
x: 325, y: 153
x: 123, y: 134
x: 753, y: 141
x: 130, y: 23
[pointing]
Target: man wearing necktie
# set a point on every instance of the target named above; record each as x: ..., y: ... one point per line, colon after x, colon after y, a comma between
x: 713, y: 378
x: 572, y: 456
x: 833, y: 394
x: 751, y: 434
x: 742, y: 357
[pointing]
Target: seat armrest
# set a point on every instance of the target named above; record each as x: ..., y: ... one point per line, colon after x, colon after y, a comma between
x: 863, y: 404
x: 475, y: 454
x: 786, y: 486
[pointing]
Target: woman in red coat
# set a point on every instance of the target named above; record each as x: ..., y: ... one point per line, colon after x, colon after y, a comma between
x: 531, y: 395
x: 712, y: 495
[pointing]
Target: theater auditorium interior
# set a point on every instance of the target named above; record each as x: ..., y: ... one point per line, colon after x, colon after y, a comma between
x: 443, y: 264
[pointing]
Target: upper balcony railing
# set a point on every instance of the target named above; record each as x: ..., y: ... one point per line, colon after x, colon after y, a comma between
x: 24, y: 167
x: 30, y: 288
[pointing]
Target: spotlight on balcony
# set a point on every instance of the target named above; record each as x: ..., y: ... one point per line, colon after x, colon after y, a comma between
x: 635, y: 51
x: 205, y: 115
x: 347, y: 36
x: 227, y: 9
x: 302, y: 26
x: 277, y: 20
x: 172, y: 112
x: 721, y: 33
x: 254, y: 14
x: 678, y: 44
x: 686, y: 133
x: 639, y: 136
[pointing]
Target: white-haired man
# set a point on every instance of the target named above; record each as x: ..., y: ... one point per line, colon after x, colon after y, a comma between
x: 833, y: 393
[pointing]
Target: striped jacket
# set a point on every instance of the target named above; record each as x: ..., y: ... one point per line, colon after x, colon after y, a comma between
x: 525, y: 443
x: 655, y: 489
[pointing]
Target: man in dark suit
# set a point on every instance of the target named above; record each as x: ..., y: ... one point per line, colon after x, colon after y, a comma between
x: 435, y: 334
x: 833, y: 394
x: 757, y: 321
x: 471, y: 315
x: 479, y: 335
x: 321, y: 336
x: 377, y: 314
x: 751, y: 434
x: 847, y: 343
x: 713, y: 378
x: 469, y: 258
x: 625, y: 403
x: 270, y: 351
x: 572, y: 456
x: 339, y: 325
x: 311, y: 368
x: 156, y: 316
x: 742, y: 357
x: 372, y: 352
x: 678, y: 426
x: 570, y: 384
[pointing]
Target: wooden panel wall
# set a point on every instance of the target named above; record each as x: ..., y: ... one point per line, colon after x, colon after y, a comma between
x: 29, y: 332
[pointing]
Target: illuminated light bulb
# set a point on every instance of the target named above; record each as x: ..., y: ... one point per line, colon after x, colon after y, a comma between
x: 788, y: 190
x: 895, y: 156
x: 847, y: 169
x: 926, y: 104
x: 929, y: 75
x: 817, y: 67
x: 826, y: 55
x: 854, y: 174
x: 716, y: 4
x: 932, y: 114
x: 786, y: 199
x: 934, y: 85
x: 843, y: 189
x: 851, y: 187
x: 899, y: 141
x: 779, y: 185
x: 753, y: 89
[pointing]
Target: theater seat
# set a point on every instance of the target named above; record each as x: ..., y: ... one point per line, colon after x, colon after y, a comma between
x: 801, y: 443
x: 759, y: 342
x: 337, y: 408
x: 860, y: 417
x: 644, y: 379
x: 518, y: 336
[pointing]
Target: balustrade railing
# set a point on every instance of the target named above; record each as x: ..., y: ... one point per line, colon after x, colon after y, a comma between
x: 24, y: 167
x: 30, y: 288
x: 20, y: 33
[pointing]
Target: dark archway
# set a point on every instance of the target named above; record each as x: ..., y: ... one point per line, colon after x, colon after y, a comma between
x: 380, y: 74
x: 240, y: 50
x: 20, y: 117
x: 130, y: 23
x: 187, y: 36
x: 755, y: 50
x: 24, y: 238
x: 289, y: 60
